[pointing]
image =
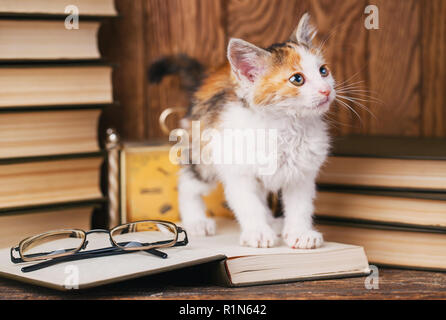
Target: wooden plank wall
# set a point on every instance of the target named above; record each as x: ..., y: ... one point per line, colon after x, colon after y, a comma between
x: 403, y: 64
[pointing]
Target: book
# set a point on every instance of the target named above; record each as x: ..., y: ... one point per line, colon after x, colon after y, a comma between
x: 48, y: 181
x: 27, y: 134
x: 47, y: 40
x: 387, y: 162
x: 20, y: 225
x: 39, y: 85
x: 412, y: 209
x: 238, y: 266
x: 57, y: 7
x: 391, y: 245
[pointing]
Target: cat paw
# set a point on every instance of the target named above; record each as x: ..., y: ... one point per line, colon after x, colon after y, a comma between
x: 201, y: 227
x: 302, y: 239
x: 262, y: 237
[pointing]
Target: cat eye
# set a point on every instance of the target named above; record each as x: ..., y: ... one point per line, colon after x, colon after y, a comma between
x: 323, y: 70
x: 297, y: 79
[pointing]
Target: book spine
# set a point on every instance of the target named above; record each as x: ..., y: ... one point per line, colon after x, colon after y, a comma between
x: 367, y: 224
x: 53, y: 207
x: 54, y: 16
x: 100, y: 153
x: 219, y: 273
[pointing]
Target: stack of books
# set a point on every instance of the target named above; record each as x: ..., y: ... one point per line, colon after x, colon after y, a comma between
x: 53, y: 86
x: 388, y: 195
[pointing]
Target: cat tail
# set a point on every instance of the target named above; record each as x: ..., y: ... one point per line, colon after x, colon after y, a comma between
x: 191, y: 71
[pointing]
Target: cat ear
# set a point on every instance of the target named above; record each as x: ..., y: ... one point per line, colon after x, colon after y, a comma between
x: 247, y: 61
x: 305, y: 31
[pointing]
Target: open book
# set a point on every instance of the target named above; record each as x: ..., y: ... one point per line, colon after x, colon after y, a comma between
x: 238, y: 265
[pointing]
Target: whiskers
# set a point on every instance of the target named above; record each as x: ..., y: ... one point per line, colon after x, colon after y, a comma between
x: 333, y: 122
x: 354, y: 95
x: 351, y: 95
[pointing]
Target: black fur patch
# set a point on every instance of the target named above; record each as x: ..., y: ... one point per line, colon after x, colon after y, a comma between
x: 278, y: 52
x: 214, y: 105
x: 217, y: 99
x: 278, y: 46
x: 190, y: 70
x: 196, y: 173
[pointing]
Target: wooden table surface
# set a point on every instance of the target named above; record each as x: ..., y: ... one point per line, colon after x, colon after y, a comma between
x: 189, y: 284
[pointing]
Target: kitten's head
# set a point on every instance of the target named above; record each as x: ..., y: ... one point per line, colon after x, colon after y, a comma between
x: 290, y: 77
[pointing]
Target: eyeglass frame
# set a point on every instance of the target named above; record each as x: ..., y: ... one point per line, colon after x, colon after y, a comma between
x: 77, y: 254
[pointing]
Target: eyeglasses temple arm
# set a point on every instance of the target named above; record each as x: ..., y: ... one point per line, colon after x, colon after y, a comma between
x: 105, y: 252
x: 20, y: 260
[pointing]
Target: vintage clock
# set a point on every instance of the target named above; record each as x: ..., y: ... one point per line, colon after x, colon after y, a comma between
x: 149, y: 185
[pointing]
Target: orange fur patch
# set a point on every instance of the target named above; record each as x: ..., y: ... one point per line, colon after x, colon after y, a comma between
x: 210, y: 98
x: 285, y: 62
x: 216, y: 82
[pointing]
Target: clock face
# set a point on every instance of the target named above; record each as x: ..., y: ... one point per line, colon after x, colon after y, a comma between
x: 151, y: 187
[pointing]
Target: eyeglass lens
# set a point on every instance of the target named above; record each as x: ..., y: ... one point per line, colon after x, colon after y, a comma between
x: 52, y: 244
x: 144, y: 233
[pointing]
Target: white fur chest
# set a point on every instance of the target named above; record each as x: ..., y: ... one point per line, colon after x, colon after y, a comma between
x: 302, y: 148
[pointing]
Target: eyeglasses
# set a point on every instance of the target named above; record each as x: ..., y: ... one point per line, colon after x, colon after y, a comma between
x: 68, y: 244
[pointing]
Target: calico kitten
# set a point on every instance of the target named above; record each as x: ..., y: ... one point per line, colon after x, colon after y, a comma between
x: 286, y: 87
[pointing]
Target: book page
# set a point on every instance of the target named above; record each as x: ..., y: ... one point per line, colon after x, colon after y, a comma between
x: 226, y: 242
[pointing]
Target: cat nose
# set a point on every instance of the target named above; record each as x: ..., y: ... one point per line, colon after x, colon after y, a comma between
x: 325, y: 92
